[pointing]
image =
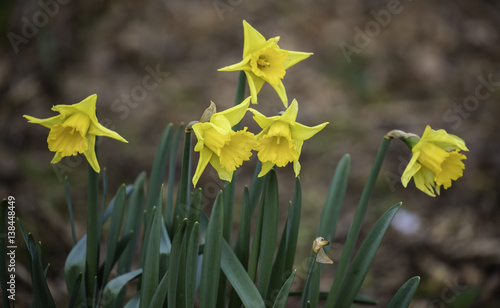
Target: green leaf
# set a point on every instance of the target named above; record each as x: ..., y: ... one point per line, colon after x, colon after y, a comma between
x: 362, y: 261
x: 192, y: 264
x: 75, y: 266
x: 169, y: 201
x: 281, y: 298
x: 182, y: 204
x: 115, y: 286
x: 76, y: 291
x: 283, y: 263
x: 270, y: 208
x: 149, y: 281
x: 160, y: 293
x: 306, y: 294
x: 403, y: 297
x: 210, y: 269
x: 42, y: 296
x: 174, y: 264
x: 359, y: 215
x: 330, y: 215
x: 239, y: 278
x: 242, y: 246
x: 114, y: 232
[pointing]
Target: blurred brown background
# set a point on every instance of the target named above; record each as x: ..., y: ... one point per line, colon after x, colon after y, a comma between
x: 377, y: 66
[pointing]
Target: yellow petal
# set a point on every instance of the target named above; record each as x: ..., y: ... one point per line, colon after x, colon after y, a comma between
x: 294, y: 57
x: 254, y: 84
x: 411, y: 169
x: 290, y: 114
x: 90, y: 154
x: 49, y: 122
x: 452, y: 169
x: 253, y: 40
x: 205, y: 157
x: 280, y: 89
x: 302, y: 132
x: 223, y: 173
x: 266, y: 167
x: 236, y: 113
x: 99, y: 130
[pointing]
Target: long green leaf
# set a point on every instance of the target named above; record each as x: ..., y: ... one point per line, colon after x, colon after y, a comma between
x: 239, y: 278
x: 182, y: 204
x: 242, y: 246
x: 149, y: 281
x: 114, y: 232
x: 306, y: 294
x: 114, y: 287
x: 169, y: 201
x: 42, y: 296
x: 160, y: 293
x: 75, y: 266
x: 174, y: 264
x: 362, y: 261
x: 269, y: 230
x: 210, y: 269
x: 403, y: 297
x: 281, y: 298
x: 359, y: 215
x: 330, y: 216
x: 192, y: 264
x: 76, y: 291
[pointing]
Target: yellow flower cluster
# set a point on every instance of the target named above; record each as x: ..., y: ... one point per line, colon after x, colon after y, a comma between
x: 280, y: 141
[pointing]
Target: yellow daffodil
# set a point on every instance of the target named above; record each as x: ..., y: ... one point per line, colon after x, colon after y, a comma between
x: 264, y: 61
x: 281, y: 139
x: 436, y: 161
x: 220, y: 146
x: 73, y: 131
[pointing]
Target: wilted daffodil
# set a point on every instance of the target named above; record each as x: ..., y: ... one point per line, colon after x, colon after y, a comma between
x: 73, y: 131
x: 219, y: 145
x: 280, y: 141
x: 264, y: 61
x: 436, y: 160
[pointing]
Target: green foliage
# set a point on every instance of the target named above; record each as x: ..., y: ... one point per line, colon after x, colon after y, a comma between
x: 185, y: 256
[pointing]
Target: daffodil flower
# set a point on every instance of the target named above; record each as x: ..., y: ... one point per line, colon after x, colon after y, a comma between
x: 436, y: 161
x: 264, y: 61
x: 281, y: 139
x: 74, y: 130
x: 220, y: 146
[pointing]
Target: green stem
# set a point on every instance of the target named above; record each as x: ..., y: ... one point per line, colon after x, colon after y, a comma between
x: 356, y: 224
x: 306, y: 293
x: 70, y: 210
x: 92, y: 230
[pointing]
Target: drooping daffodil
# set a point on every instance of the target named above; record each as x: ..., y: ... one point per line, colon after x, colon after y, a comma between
x: 264, y: 61
x: 74, y: 131
x: 436, y: 161
x: 281, y: 139
x: 219, y: 145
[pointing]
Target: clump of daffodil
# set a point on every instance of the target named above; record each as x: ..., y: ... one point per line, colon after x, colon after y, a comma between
x: 74, y: 131
x: 264, y: 61
x: 219, y: 145
x: 436, y: 160
x: 281, y: 139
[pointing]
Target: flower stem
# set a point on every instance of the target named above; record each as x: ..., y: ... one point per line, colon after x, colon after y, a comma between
x: 92, y: 230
